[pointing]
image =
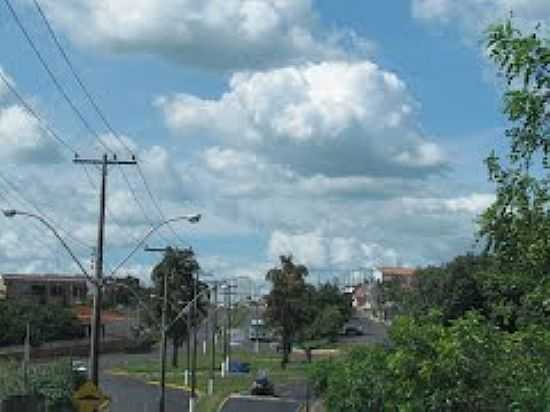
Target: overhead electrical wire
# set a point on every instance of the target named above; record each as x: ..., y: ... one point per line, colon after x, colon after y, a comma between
x: 41, y: 212
x: 34, y: 114
x: 53, y: 78
x: 35, y: 225
x: 108, y: 125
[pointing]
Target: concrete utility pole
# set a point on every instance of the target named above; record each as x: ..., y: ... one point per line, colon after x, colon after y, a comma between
x: 96, y: 317
x: 214, y: 327
x: 162, y: 401
x: 163, y: 343
x: 227, y: 291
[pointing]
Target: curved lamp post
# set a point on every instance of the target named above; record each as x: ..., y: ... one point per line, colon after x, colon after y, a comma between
x: 98, y: 283
x: 194, y: 218
x: 12, y: 212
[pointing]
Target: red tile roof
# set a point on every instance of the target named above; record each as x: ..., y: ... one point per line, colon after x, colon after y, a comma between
x: 399, y: 271
x: 84, y: 315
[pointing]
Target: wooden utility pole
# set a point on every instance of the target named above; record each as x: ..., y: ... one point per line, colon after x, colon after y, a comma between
x: 96, y: 316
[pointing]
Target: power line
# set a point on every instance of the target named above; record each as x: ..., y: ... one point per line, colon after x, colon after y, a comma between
x: 53, y: 78
x: 34, y: 114
x: 33, y: 224
x: 27, y: 200
x: 107, y: 124
x: 78, y: 79
x: 157, y: 206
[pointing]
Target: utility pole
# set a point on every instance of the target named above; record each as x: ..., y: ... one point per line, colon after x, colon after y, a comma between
x: 163, y: 342
x: 227, y: 335
x: 162, y: 401
x: 214, y: 327
x: 96, y: 317
x: 194, y: 365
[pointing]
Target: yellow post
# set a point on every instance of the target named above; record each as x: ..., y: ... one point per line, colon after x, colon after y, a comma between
x: 89, y: 398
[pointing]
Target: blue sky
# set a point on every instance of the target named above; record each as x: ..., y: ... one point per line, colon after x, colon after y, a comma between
x: 350, y: 134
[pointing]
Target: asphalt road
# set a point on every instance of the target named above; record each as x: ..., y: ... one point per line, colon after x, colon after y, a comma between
x: 131, y: 395
x: 259, y: 404
x: 373, y: 332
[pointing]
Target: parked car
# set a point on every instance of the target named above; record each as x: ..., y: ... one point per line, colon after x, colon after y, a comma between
x: 80, y: 372
x: 239, y: 367
x: 262, y: 386
x: 352, y: 330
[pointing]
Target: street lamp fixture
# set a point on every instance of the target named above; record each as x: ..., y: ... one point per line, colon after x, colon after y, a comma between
x: 9, y: 212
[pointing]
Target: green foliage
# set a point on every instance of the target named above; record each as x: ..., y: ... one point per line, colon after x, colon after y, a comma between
x: 517, y: 226
x: 327, y: 311
x: 453, y: 289
x: 478, y: 336
x: 180, y: 267
x: 47, y: 322
x: 55, y: 381
x: 467, y: 366
x: 286, y: 312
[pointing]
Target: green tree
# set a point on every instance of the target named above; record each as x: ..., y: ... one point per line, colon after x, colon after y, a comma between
x: 517, y: 226
x: 47, y: 323
x: 453, y: 288
x: 286, y: 311
x: 180, y: 267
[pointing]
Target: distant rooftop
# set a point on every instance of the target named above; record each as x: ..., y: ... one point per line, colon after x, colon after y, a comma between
x: 400, y: 271
x: 41, y: 277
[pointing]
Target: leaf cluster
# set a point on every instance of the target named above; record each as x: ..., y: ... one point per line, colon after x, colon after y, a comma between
x: 430, y: 367
x: 47, y: 323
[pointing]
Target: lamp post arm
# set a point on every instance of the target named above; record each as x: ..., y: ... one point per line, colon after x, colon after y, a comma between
x: 67, y: 248
x: 182, y: 312
x: 138, y: 298
x: 142, y: 241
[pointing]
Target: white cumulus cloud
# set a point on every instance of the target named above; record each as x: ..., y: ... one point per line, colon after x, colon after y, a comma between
x: 219, y: 34
x: 473, y: 16
x: 331, y: 118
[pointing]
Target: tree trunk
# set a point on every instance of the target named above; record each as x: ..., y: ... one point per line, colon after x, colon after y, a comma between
x: 308, y: 355
x: 175, y: 348
x: 285, y: 347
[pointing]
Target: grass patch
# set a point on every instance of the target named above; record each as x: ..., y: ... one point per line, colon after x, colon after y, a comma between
x: 271, y: 362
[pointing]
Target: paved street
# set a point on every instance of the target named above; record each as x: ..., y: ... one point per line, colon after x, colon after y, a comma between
x: 131, y: 395
x: 374, y: 332
x: 258, y: 404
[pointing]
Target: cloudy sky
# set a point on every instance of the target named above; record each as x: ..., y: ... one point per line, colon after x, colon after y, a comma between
x: 350, y: 134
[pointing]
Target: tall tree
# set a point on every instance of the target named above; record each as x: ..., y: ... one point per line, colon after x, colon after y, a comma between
x: 181, y: 267
x: 286, y: 311
x: 517, y: 225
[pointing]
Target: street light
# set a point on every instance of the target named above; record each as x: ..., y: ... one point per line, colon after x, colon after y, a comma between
x: 98, y: 282
x: 194, y: 218
x: 9, y: 213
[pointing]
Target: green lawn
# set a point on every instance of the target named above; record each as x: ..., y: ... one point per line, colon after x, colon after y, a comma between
x: 149, y: 371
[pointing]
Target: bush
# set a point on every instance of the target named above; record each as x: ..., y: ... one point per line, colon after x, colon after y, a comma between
x: 47, y: 322
x: 469, y: 365
x: 54, y: 381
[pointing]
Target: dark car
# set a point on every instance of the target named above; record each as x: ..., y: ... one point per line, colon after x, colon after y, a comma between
x: 262, y: 386
x: 353, y: 330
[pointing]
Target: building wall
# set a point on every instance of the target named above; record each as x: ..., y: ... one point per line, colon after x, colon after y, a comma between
x: 3, y: 290
x: 62, y: 293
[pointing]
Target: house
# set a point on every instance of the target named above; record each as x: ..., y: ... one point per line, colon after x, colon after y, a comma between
x: 404, y: 277
x: 64, y: 290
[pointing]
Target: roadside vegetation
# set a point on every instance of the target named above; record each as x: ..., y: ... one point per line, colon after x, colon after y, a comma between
x: 295, y: 372
x: 55, y: 381
x: 47, y: 323
x: 474, y: 333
